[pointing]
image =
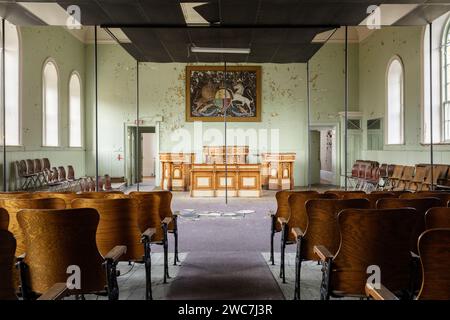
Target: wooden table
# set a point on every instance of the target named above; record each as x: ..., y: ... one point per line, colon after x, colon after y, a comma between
x: 211, y: 180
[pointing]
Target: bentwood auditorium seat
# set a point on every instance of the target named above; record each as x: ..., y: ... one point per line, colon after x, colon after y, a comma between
x: 321, y: 229
x: 396, y: 176
x: 102, y: 195
x: 61, y: 240
x: 405, y: 180
x: 372, y: 197
x: 297, y: 218
x: 438, y: 173
x: 119, y: 226
x: 67, y: 196
x: 340, y: 193
x: 148, y: 207
x: 13, y: 206
x: 419, y: 178
x: 368, y: 238
x: 433, y: 248
x: 282, y: 212
x: 421, y: 205
x: 437, y: 218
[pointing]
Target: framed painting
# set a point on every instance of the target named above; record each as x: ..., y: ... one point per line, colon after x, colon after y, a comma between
x: 211, y: 94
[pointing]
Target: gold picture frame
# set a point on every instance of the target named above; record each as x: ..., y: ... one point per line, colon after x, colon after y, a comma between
x: 208, y: 95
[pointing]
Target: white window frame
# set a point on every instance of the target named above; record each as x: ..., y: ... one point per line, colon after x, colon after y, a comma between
x: 402, y: 111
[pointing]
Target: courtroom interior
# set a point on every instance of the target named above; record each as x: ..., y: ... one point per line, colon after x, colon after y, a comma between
x: 225, y: 150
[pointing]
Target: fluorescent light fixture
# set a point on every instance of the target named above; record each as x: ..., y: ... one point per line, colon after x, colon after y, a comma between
x: 220, y: 50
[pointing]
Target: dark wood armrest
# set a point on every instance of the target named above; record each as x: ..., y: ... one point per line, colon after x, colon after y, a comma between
x: 147, y: 234
x: 298, y: 233
x: 115, y: 254
x: 282, y: 220
x: 57, y: 292
x: 167, y: 220
x: 379, y: 294
x: 323, y: 253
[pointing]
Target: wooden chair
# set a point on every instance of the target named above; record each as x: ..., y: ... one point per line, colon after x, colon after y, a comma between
x: 296, y: 218
x: 13, y: 206
x: 398, y: 193
x: 436, y: 218
x: 62, y: 174
x: 368, y: 238
x: 419, y: 178
x: 119, y: 226
x: 46, y: 163
x: 4, y: 219
x: 405, y: 180
x: 434, y: 248
x: 372, y: 197
x: 438, y: 172
x: 281, y: 212
x: 59, y: 239
x: 67, y: 196
x: 321, y: 229
x: 421, y: 205
x: 340, y: 193
x: 70, y: 173
x: 443, y: 196
x: 394, y: 180
x: 148, y: 207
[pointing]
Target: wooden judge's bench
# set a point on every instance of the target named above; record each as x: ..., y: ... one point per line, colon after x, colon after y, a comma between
x: 225, y: 170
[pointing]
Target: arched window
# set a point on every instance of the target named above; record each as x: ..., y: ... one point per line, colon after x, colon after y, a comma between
x: 12, y: 122
x: 74, y: 110
x: 446, y: 81
x: 395, y: 90
x: 50, y: 105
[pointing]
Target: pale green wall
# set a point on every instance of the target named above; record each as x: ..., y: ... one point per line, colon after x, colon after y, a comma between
x: 38, y: 44
x: 374, y: 56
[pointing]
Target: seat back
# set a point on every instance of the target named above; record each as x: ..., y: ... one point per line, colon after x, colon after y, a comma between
x: 57, y: 239
x: 341, y: 193
x: 46, y: 163
x: 407, y: 176
x: 398, y: 172
x: 322, y: 227
x: 37, y: 165
x: 355, y: 170
x: 67, y: 196
x: 148, y: 206
x: 421, y: 205
x: 70, y: 173
x: 4, y: 219
x: 13, y: 206
x: 165, y: 206
x: 282, y: 198
x: 384, y: 170
x: 419, y: 178
x: 438, y: 172
x: 118, y: 225
x: 7, y: 260
x: 297, y: 209
x: 102, y: 195
x: 30, y: 166
x: 372, y: 197
x: 16, y: 195
x: 434, y: 251
x: 436, y: 218
x: 61, y: 173
x: 372, y: 238
x: 443, y: 196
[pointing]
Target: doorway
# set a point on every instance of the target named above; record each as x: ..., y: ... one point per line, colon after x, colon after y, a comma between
x: 323, y: 156
x: 148, y: 153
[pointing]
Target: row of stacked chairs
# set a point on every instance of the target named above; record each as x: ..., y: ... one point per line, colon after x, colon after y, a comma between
x: 92, y: 230
x: 406, y: 235
x: 370, y: 175
x: 38, y: 173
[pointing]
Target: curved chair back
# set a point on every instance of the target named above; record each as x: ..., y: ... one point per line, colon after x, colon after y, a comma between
x: 372, y: 238
x: 419, y: 178
x: 37, y: 165
x: 45, y: 163
x: 61, y: 173
x: 322, y: 228
x: 283, y: 210
x: 341, y: 193
x: 57, y: 239
x: 165, y: 208
x: 70, y: 173
x: 13, y: 206
x: 7, y: 260
x: 102, y: 195
x: 16, y: 195
x: 372, y: 197
x: 421, y: 205
x: 30, y: 166
x: 437, y: 218
x: 118, y: 225
x: 297, y: 209
x: 148, y: 206
x: 434, y: 249
x: 67, y: 196
x: 4, y: 219
x: 443, y: 196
